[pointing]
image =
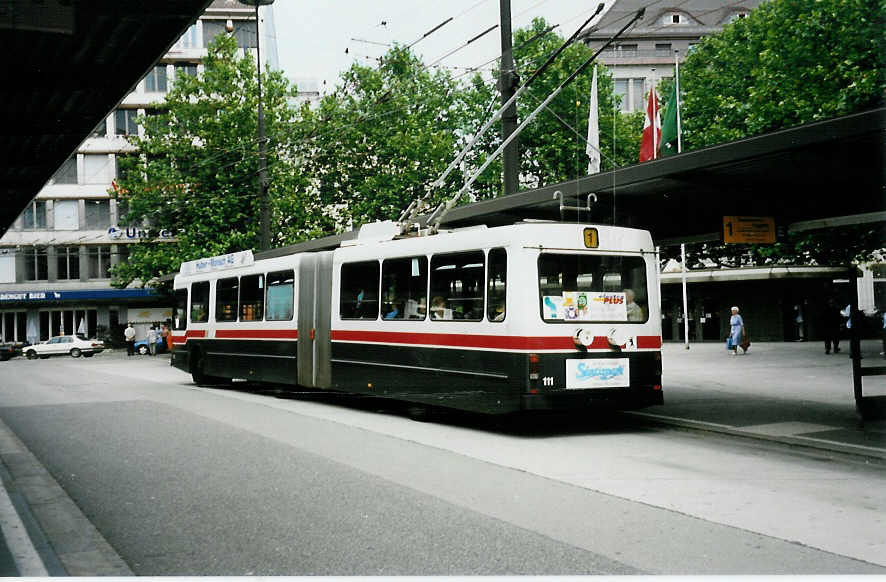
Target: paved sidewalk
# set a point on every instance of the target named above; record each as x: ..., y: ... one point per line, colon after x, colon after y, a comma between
x: 788, y: 392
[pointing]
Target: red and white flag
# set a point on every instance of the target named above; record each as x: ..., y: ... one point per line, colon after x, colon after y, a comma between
x: 651, y: 129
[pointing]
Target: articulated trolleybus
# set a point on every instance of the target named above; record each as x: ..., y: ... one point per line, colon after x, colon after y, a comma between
x: 530, y: 316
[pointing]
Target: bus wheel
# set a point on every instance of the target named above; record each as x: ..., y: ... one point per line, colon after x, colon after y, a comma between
x: 199, y: 376
x: 420, y: 412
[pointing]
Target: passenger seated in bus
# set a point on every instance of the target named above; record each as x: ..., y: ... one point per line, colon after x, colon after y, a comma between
x: 635, y: 312
x: 439, y: 310
x: 498, y: 312
x: 394, y: 313
x: 416, y: 309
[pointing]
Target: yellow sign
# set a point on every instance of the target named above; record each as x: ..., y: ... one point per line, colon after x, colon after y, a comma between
x: 591, y: 240
x: 749, y: 229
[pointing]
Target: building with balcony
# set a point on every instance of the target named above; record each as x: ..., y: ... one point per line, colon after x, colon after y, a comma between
x: 56, y: 257
x: 646, y: 52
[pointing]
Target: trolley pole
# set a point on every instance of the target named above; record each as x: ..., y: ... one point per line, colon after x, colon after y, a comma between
x: 508, y: 82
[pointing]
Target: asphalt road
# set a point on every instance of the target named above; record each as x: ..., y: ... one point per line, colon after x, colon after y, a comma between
x: 187, y: 481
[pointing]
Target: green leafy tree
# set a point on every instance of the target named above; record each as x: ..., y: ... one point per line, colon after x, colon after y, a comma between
x: 377, y: 142
x: 787, y: 63
x: 554, y: 144
x: 195, y: 171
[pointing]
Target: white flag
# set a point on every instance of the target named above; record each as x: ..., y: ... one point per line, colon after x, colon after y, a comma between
x: 593, y: 149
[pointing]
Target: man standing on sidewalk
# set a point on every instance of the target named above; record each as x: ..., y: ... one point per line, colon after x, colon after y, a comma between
x: 152, y: 340
x: 129, y: 335
x: 831, y: 319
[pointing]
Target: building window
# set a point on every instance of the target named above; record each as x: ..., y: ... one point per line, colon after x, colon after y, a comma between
x: 67, y: 173
x: 66, y: 215
x: 97, y: 169
x: 99, y: 262
x: 34, y: 216
x: 663, y: 48
x: 156, y: 79
x: 244, y: 32
x: 621, y: 93
x: 124, y: 120
x: 101, y: 130
x: 36, y: 264
x: 627, y: 50
x: 637, y: 94
x: 98, y: 214
x: 185, y: 69
x: 67, y: 262
x: 188, y: 40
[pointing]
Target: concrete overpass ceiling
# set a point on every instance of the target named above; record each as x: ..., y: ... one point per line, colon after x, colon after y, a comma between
x: 67, y: 64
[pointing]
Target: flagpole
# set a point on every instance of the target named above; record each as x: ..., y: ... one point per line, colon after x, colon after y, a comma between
x: 677, y: 81
x: 654, y: 116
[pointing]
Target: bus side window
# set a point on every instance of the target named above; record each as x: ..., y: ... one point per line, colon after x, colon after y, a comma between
x: 180, y: 312
x: 496, y: 284
x: 404, y: 286
x: 252, y: 296
x: 200, y: 302
x: 457, y: 280
x: 226, y: 299
x: 358, y: 290
x: 280, y: 295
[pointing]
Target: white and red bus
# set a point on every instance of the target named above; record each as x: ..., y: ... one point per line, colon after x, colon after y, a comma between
x: 534, y: 315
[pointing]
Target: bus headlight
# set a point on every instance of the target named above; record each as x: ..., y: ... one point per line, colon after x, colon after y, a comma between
x: 583, y: 337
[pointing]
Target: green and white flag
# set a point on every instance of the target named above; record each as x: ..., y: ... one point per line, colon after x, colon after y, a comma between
x: 669, y: 125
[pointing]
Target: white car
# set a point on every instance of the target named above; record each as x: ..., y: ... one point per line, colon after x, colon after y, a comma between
x: 61, y: 345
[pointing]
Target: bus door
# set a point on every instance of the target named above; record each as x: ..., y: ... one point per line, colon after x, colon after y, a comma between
x: 314, y: 319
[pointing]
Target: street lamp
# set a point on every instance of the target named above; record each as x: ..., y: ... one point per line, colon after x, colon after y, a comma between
x: 265, y: 233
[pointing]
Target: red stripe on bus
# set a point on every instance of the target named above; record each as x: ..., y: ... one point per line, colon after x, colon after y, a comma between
x: 180, y: 339
x: 480, y: 341
x: 257, y: 333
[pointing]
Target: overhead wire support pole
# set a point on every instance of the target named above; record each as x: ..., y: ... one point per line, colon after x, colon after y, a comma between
x: 409, y: 212
x: 508, y: 81
x: 452, y: 201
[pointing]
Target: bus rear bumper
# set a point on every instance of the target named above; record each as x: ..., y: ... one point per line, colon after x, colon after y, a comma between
x: 588, y: 399
x: 180, y: 359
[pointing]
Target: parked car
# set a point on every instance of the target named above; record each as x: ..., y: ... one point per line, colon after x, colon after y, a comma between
x: 65, y: 345
x: 9, y: 351
x: 141, y: 346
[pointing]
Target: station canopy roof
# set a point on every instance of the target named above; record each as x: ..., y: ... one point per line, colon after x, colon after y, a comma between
x: 66, y: 66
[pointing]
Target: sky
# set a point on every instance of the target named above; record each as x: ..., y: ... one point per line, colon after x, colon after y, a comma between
x: 312, y: 35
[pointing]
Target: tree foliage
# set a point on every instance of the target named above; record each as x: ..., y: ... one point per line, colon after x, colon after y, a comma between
x: 195, y: 173
x: 378, y: 141
x: 789, y: 62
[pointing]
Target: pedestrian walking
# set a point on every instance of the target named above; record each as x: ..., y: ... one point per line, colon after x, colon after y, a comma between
x: 167, y: 338
x: 831, y: 321
x: 153, y: 336
x: 129, y: 336
x: 736, y: 332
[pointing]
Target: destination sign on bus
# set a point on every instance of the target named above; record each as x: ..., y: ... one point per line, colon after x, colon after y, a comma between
x: 228, y: 261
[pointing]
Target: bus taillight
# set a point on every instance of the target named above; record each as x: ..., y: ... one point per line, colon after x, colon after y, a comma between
x: 533, y: 367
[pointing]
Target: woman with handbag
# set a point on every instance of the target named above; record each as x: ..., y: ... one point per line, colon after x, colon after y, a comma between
x: 736, y: 332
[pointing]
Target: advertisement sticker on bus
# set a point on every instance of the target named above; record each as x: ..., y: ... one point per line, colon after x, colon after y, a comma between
x: 598, y: 373
x: 586, y: 306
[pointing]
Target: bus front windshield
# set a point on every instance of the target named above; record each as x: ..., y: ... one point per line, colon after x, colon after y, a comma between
x: 593, y: 288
